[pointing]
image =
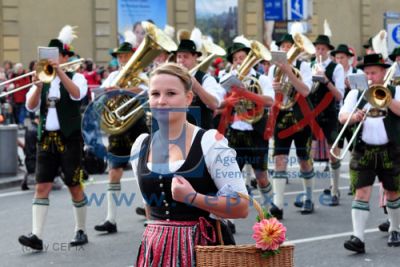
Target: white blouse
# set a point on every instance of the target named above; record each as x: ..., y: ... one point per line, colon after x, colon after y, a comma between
x: 220, y: 160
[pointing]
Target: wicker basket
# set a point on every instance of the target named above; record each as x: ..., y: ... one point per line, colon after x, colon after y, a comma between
x: 242, y: 255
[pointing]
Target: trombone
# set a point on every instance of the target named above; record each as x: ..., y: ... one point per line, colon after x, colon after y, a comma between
x: 44, y: 71
x: 378, y: 96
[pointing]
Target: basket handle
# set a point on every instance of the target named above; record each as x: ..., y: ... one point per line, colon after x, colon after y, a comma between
x: 256, y: 206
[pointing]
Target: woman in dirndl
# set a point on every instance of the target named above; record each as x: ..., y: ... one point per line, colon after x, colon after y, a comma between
x: 188, y: 177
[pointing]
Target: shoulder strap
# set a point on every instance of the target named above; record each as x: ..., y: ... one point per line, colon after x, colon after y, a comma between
x: 298, y: 64
x: 363, y: 101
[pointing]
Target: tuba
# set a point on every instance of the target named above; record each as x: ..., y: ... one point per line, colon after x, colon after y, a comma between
x: 301, y: 44
x: 122, y: 111
x: 245, y: 107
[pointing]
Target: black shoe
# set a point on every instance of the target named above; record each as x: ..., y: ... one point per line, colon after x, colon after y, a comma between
x: 334, y: 201
x: 394, y: 239
x: 276, y: 212
x: 308, y: 207
x: 298, y: 204
x: 327, y: 191
x: 24, y: 185
x: 79, y: 239
x: 232, y: 227
x: 140, y: 211
x: 31, y: 241
x: 355, y: 244
x: 253, y: 183
x: 107, y: 226
x: 384, y: 227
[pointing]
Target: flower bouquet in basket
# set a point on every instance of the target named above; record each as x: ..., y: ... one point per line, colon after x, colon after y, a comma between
x: 269, y: 249
x: 269, y: 234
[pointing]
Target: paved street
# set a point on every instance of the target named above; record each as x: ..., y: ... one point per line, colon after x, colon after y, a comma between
x: 318, y: 237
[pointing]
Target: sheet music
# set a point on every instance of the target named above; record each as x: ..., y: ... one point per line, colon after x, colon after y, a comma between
x: 230, y: 80
x: 279, y: 56
x: 358, y: 81
x: 48, y: 53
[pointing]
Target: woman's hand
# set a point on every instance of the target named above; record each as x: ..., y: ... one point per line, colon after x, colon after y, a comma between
x: 182, y: 190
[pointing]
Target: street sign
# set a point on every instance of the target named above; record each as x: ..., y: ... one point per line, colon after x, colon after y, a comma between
x: 274, y: 10
x: 393, y: 30
x: 296, y: 9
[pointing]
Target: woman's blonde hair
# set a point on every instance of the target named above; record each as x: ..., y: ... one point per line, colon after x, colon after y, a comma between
x: 175, y: 70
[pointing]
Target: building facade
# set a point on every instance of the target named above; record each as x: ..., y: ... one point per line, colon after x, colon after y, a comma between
x: 27, y: 24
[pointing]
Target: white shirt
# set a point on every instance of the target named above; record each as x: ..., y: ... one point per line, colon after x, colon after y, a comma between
x: 111, y: 77
x: 220, y: 160
x: 397, y: 72
x: 373, y: 131
x: 350, y: 71
x: 213, y: 87
x: 267, y: 90
x: 338, y: 75
x: 52, y: 122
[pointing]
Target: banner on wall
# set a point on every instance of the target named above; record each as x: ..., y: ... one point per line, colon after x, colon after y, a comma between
x: 218, y: 19
x: 130, y: 12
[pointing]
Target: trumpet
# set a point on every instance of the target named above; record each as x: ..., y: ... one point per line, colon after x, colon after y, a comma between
x: 317, y: 78
x: 378, y: 96
x: 44, y: 71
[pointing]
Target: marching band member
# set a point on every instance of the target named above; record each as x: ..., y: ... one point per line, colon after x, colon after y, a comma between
x: 59, y: 142
x: 246, y: 138
x: 120, y: 144
x: 332, y: 85
x: 376, y: 153
x: 301, y: 138
x: 208, y: 93
x: 342, y: 56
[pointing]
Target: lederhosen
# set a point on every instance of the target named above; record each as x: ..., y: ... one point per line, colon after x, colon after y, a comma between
x: 250, y: 146
x: 368, y: 161
x: 60, y: 149
x: 348, y: 133
x: 327, y: 119
x: 302, y: 138
x: 176, y: 227
x: 199, y: 114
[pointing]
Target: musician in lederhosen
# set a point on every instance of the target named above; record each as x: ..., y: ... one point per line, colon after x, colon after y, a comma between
x: 208, y: 94
x: 285, y: 119
x: 248, y: 138
x: 59, y: 142
x: 343, y: 56
x: 376, y: 153
x: 327, y: 91
x: 120, y: 144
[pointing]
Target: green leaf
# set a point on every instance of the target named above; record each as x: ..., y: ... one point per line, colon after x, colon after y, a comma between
x: 267, y: 215
x: 270, y: 253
